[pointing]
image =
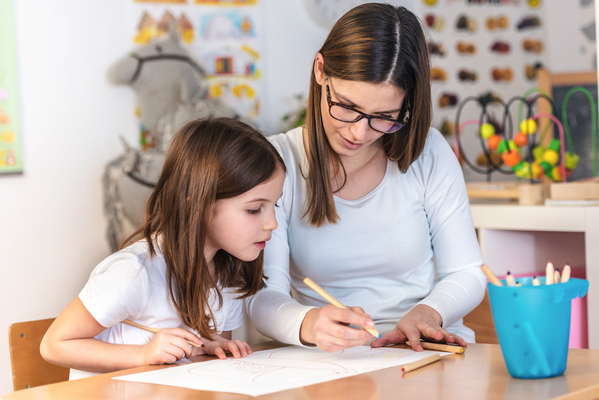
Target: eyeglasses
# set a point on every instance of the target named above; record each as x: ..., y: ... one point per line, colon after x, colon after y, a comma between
x: 345, y: 113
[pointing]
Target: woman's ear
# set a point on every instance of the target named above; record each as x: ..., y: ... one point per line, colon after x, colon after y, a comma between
x: 319, y: 69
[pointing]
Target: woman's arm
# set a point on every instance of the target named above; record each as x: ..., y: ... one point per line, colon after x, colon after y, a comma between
x: 70, y: 342
x: 457, y: 253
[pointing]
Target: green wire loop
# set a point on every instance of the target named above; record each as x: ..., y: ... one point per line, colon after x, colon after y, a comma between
x: 593, y: 122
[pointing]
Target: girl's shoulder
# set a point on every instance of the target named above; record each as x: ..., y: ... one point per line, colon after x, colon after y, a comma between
x: 129, y: 261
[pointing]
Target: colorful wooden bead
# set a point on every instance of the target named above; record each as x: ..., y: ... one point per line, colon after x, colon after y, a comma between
x: 487, y: 130
x: 571, y: 161
x: 521, y: 139
x: 528, y: 126
x: 493, y: 142
x: 551, y: 156
x: 510, y: 157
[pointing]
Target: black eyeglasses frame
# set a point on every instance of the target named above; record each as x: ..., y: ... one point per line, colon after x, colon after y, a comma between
x: 362, y: 115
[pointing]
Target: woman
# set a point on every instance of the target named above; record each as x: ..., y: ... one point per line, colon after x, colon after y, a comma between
x: 371, y: 195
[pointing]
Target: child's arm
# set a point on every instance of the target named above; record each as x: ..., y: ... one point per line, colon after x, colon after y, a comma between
x: 223, y: 344
x: 70, y: 342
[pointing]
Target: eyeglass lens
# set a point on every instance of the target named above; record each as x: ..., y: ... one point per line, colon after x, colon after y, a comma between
x: 347, y: 115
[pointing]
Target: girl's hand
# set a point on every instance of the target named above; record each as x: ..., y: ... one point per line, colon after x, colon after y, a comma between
x: 167, y: 346
x: 421, y: 321
x: 328, y: 328
x: 220, y: 347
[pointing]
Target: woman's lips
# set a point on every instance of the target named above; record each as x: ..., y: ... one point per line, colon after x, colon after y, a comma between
x: 350, y: 145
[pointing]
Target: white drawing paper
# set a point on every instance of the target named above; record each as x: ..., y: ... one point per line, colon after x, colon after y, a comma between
x: 279, y: 369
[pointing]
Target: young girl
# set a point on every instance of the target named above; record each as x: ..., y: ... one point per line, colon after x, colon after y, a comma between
x: 198, y: 254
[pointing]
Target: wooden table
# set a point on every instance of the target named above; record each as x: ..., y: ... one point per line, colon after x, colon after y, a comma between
x: 478, y: 374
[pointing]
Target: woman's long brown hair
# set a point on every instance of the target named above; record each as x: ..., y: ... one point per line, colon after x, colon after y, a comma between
x: 208, y: 160
x: 375, y: 43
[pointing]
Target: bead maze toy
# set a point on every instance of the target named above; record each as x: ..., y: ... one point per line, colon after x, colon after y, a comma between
x: 533, y: 157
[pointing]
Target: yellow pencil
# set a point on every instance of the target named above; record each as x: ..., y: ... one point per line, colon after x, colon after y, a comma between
x: 421, y: 363
x: 335, y: 302
x: 154, y: 330
x: 441, y: 347
x: 490, y: 275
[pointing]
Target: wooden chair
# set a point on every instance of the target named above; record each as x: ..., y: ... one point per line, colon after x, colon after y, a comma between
x: 480, y: 320
x: 29, y: 369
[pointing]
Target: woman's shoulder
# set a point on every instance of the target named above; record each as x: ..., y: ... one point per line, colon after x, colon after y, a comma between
x: 289, y: 143
x: 436, y: 148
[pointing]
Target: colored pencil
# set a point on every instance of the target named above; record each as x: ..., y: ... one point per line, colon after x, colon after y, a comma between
x: 566, y: 273
x: 490, y: 275
x: 335, y: 302
x: 549, y: 274
x: 440, y: 347
x: 535, y: 281
x: 421, y: 363
x: 154, y: 330
x: 509, y: 279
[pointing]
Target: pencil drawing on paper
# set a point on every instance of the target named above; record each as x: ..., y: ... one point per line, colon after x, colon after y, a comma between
x: 274, y: 370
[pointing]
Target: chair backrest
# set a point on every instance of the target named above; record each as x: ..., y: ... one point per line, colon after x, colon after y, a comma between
x: 480, y: 320
x: 29, y: 369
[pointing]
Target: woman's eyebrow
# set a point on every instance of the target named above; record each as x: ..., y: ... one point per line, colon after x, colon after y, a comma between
x: 351, y: 103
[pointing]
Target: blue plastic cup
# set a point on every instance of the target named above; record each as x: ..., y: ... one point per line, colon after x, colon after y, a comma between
x: 533, y: 325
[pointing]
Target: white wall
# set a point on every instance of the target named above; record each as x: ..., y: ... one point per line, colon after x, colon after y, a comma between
x: 51, y: 221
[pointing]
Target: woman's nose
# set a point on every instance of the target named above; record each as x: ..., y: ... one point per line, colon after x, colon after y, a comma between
x: 360, y: 129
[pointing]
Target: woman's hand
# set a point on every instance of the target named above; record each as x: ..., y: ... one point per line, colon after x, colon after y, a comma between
x: 327, y: 328
x: 167, y: 346
x: 221, y: 346
x: 421, y: 322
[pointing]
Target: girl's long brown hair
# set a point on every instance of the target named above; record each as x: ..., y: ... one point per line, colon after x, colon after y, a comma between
x: 375, y: 43
x: 208, y: 160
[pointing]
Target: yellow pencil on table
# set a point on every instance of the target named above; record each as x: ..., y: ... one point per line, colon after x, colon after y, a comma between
x: 154, y: 330
x: 441, y: 347
x: 421, y: 363
x: 335, y: 302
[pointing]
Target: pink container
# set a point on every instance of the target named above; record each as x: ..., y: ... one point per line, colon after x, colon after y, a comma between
x: 579, y: 332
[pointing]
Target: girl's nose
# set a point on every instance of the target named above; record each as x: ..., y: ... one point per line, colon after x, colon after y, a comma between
x: 271, y: 222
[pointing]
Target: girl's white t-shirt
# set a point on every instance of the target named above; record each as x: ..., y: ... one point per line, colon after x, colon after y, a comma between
x: 130, y: 284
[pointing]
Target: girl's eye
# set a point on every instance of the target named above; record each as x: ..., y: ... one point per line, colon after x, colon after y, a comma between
x: 256, y: 211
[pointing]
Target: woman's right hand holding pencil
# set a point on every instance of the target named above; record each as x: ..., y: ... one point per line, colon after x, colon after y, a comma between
x: 328, y: 328
x: 167, y: 346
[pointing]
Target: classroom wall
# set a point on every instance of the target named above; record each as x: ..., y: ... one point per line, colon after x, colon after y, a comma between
x: 51, y: 221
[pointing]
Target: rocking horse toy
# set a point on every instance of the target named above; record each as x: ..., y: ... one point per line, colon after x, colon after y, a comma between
x: 171, y: 89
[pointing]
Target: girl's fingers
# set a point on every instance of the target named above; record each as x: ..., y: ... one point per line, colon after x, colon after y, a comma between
x: 248, y: 349
x: 181, y: 344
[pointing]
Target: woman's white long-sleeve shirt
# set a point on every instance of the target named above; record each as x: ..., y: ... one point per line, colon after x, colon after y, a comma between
x: 379, y: 255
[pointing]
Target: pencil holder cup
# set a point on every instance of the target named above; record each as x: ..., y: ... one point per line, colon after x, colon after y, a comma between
x: 533, y: 325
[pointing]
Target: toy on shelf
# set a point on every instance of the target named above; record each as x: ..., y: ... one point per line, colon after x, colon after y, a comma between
x: 528, y: 153
x: 520, y: 154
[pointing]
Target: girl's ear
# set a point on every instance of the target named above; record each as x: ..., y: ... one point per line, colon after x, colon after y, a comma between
x: 319, y: 69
